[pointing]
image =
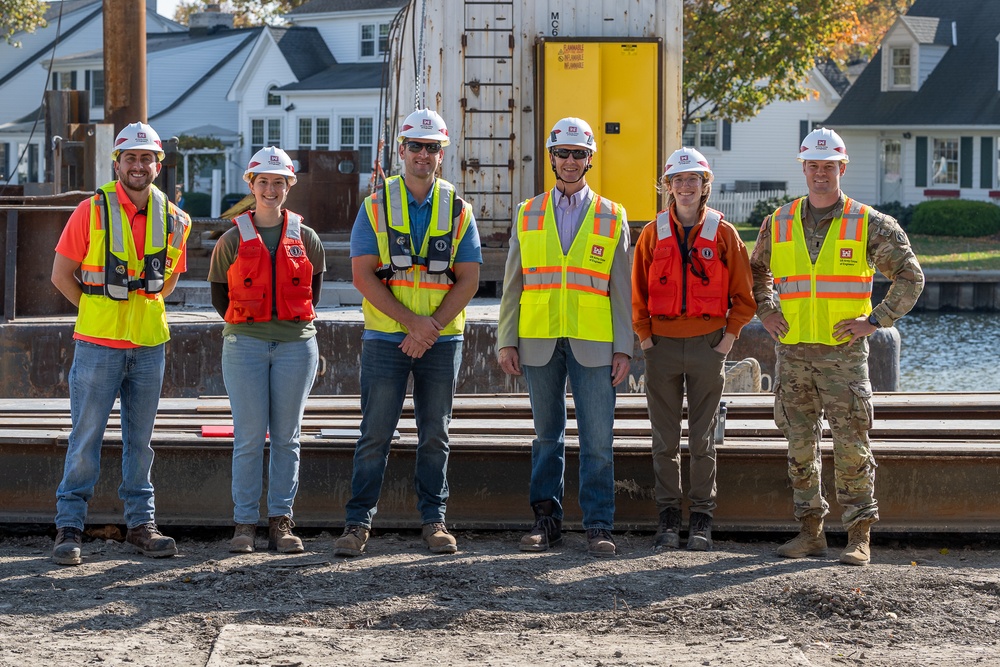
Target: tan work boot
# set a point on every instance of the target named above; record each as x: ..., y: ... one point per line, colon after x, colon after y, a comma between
x: 148, y: 539
x: 352, y: 542
x: 809, y: 542
x: 438, y: 539
x: 279, y: 536
x: 858, y: 550
x: 243, y: 537
x: 547, y: 531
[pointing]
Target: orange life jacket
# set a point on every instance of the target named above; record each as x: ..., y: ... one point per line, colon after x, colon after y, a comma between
x: 251, y: 290
x: 696, y: 285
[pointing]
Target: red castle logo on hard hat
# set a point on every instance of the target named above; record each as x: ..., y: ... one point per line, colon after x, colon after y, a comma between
x: 821, y: 144
x: 427, y: 124
x: 684, y: 159
x: 573, y: 129
x: 274, y: 159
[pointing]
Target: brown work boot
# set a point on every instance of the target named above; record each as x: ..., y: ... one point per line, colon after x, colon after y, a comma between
x: 148, y: 539
x: 668, y: 532
x: 700, y: 532
x: 279, y: 536
x: 243, y: 538
x: 858, y: 551
x: 352, y: 542
x: 68, y: 545
x: 547, y: 531
x: 600, y: 542
x: 809, y: 542
x: 438, y: 539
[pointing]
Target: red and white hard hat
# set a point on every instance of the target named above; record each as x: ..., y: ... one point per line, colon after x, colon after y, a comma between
x: 688, y: 159
x: 572, y: 132
x: 424, y: 124
x: 271, y: 160
x: 138, y: 137
x: 823, y: 144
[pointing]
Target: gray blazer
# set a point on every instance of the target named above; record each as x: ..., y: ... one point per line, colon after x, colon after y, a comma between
x: 538, y: 351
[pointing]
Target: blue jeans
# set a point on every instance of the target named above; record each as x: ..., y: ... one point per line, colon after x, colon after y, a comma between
x: 384, y: 374
x: 98, y: 375
x: 268, y: 383
x: 594, y: 398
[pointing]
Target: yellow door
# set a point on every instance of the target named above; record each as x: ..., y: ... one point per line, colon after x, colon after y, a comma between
x: 614, y: 86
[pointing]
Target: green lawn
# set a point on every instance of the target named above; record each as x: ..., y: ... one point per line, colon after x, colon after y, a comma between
x: 934, y: 252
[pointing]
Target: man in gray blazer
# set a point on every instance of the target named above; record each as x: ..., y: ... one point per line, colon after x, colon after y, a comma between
x: 566, y: 314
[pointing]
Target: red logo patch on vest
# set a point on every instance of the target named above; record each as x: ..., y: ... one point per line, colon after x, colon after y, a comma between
x: 846, y: 253
x: 597, y: 251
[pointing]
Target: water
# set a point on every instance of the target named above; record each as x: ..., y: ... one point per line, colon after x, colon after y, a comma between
x: 949, y: 351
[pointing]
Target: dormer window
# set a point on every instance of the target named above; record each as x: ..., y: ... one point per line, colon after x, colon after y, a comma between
x: 374, y: 39
x: 900, y: 73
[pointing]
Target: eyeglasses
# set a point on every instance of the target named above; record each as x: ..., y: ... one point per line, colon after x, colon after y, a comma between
x: 416, y: 147
x: 563, y: 153
x: 690, y: 181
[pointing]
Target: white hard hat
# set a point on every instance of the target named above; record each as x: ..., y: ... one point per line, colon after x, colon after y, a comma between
x: 572, y: 132
x: 688, y: 159
x: 823, y: 144
x: 424, y: 124
x: 271, y: 160
x: 138, y: 137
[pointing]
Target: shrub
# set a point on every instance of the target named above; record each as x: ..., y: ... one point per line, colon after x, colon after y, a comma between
x: 198, y: 204
x: 766, y: 207
x: 903, y: 214
x: 955, y: 217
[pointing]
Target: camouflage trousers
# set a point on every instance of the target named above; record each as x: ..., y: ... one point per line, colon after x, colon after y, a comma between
x: 813, y: 381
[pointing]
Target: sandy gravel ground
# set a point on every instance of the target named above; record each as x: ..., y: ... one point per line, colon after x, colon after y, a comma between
x: 926, y: 602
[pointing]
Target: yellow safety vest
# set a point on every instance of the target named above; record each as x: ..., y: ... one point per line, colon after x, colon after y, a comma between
x: 838, y: 287
x: 418, y: 280
x: 567, y: 295
x: 121, y: 293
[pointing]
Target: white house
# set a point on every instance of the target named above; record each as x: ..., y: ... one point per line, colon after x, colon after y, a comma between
x: 758, y: 156
x: 923, y: 119
x: 317, y: 83
x: 24, y: 77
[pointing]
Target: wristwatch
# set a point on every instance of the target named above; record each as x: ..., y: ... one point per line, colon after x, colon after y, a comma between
x: 874, y: 322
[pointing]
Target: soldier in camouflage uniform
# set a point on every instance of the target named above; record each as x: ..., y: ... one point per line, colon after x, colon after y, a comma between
x: 813, y: 267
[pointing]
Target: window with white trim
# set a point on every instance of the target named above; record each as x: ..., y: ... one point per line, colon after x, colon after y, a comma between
x: 358, y: 133
x: 273, y: 97
x: 314, y: 134
x: 944, y: 163
x: 29, y: 169
x: 264, y: 132
x: 900, y: 69
x: 95, y: 84
x: 374, y: 36
x: 3, y: 161
x: 704, y: 134
x: 64, y: 81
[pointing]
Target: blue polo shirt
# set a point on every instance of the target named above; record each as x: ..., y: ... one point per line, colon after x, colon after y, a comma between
x: 364, y: 242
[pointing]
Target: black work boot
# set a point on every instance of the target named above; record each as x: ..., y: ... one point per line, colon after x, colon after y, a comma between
x: 68, y: 545
x: 148, y: 539
x: 547, y: 531
x: 668, y: 533
x: 700, y: 532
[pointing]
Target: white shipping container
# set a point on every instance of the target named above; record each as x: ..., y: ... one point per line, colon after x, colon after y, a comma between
x: 474, y: 62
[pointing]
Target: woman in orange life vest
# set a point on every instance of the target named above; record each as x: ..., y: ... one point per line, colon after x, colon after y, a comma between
x: 266, y: 275
x: 691, y: 296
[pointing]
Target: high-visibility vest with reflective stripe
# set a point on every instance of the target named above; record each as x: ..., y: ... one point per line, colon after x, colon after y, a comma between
x: 693, y: 286
x: 421, y: 283
x: 121, y: 299
x: 567, y: 295
x: 252, y: 294
x: 814, y: 297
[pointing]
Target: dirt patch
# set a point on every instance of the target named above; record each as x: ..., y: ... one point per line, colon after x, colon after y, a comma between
x: 918, y: 604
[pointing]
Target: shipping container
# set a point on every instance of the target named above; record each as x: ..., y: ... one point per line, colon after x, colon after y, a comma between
x: 501, y: 73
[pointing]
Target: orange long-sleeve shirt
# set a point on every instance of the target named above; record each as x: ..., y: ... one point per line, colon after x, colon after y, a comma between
x: 734, y: 254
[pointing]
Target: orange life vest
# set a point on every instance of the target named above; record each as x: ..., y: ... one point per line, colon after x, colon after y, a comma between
x: 696, y: 285
x: 251, y: 290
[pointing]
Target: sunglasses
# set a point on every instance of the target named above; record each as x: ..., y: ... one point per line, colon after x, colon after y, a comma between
x: 563, y: 153
x: 416, y: 147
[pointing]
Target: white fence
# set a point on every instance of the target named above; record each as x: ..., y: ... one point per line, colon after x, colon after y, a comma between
x: 736, y: 206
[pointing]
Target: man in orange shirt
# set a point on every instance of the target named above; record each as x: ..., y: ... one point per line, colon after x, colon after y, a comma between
x: 120, y: 254
x: 691, y: 296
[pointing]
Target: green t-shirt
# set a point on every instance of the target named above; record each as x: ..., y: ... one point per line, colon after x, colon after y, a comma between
x: 274, y: 330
